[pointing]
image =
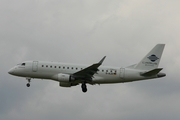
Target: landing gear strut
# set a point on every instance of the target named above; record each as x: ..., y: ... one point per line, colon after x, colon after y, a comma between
x: 29, y: 80
x: 84, y: 87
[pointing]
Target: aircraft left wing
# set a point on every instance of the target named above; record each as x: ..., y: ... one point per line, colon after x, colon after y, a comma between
x: 87, y: 73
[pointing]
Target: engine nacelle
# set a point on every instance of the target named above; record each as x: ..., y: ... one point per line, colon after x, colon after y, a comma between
x: 63, y: 77
x: 65, y: 84
x: 65, y: 80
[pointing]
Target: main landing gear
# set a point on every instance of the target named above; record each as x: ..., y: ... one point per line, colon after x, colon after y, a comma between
x: 84, y: 87
x: 29, y: 80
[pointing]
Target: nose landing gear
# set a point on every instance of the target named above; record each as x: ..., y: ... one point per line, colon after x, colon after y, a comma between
x: 29, y: 80
x: 84, y: 87
x: 28, y: 84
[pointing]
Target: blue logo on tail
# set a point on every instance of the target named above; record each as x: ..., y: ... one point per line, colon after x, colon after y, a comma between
x: 153, y: 58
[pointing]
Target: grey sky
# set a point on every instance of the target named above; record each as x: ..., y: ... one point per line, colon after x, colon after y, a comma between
x: 83, y: 31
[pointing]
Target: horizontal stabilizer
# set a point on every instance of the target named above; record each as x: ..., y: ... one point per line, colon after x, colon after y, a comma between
x: 152, y: 72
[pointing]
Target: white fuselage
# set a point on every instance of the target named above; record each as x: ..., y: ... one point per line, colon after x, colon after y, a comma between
x: 48, y: 70
x: 72, y: 74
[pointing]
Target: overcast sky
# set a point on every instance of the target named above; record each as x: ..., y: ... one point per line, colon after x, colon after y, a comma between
x: 83, y: 31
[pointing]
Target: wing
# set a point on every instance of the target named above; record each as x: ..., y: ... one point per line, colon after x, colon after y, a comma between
x: 87, y: 73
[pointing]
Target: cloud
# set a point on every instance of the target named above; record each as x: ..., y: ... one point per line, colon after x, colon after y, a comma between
x: 84, y: 31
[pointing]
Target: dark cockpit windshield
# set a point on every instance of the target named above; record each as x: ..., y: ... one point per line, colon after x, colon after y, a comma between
x: 22, y: 64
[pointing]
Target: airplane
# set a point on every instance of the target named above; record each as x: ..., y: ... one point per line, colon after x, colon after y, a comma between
x: 69, y: 75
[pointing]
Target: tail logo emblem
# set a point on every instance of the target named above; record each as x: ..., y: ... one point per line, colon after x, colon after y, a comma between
x: 153, y: 58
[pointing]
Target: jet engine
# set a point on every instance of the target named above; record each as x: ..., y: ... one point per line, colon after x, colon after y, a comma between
x: 65, y: 84
x: 63, y: 77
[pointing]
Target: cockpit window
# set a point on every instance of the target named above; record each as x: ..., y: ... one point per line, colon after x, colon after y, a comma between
x: 23, y: 64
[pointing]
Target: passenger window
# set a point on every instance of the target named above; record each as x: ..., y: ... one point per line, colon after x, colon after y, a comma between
x: 46, y: 65
x: 59, y: 66
x: 42, y: 65
x: 54, y: 66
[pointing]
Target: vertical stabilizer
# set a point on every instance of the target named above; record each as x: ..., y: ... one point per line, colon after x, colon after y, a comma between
x: 152, y: 59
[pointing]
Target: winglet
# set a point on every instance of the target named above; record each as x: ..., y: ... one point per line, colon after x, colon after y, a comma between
x: 101, y: 61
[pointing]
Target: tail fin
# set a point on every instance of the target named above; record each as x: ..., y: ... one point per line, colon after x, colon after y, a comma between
x: 152, y: 59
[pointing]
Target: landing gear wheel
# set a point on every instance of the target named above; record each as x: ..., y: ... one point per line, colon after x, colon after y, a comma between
x: 84, y: 87
x: 29, y: 80
x: 28, y: 84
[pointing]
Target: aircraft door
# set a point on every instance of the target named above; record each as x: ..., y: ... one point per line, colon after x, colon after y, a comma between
x: 122, y: 72
x: 35, y: 66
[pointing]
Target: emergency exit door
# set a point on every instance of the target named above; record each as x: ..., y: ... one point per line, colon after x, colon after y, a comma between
x: 122, y: 72
x: 35, y: 66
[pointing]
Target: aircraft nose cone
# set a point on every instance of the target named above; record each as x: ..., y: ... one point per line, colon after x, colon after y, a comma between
x: 10, y: 71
